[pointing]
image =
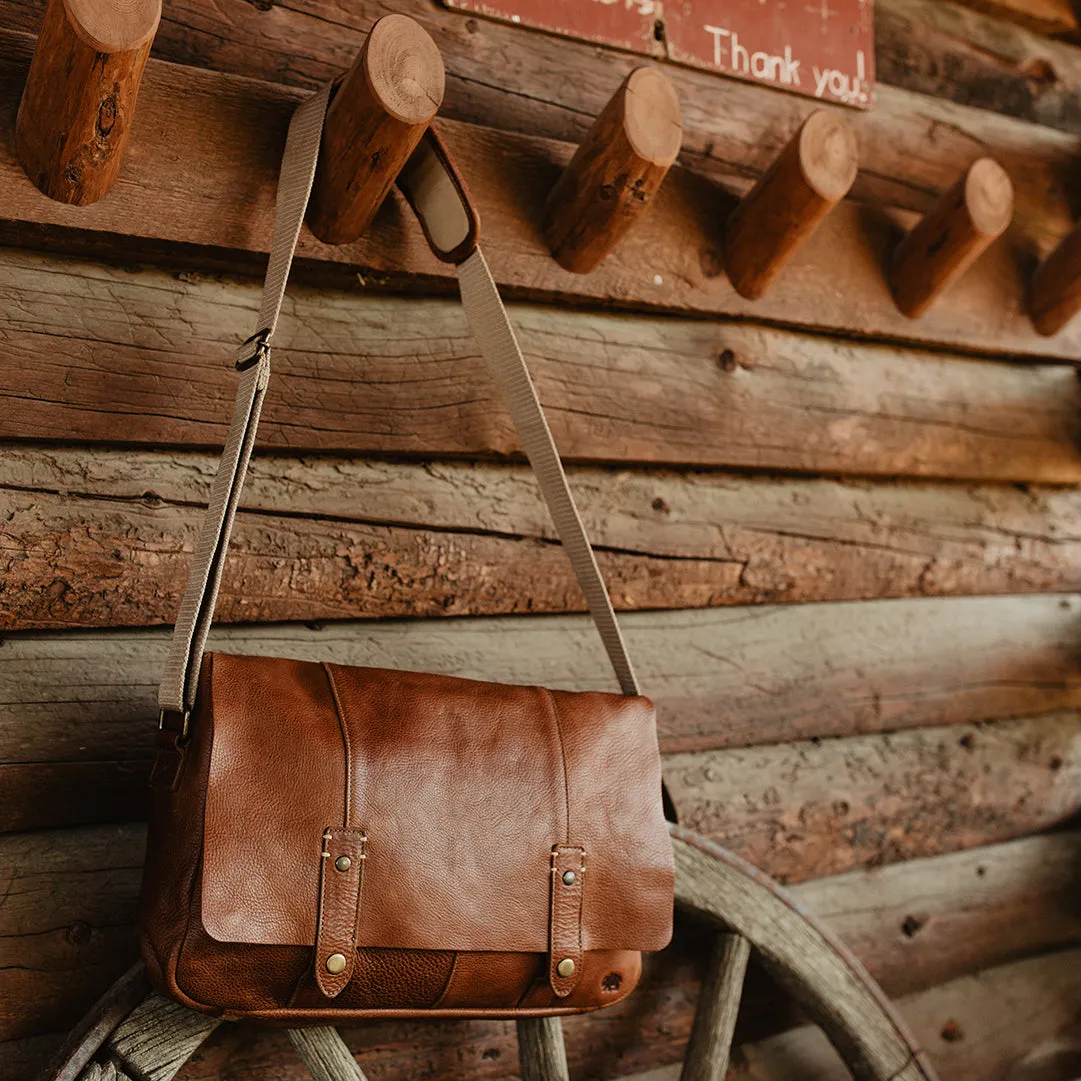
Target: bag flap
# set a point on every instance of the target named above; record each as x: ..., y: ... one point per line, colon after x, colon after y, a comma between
x: 462, y: 789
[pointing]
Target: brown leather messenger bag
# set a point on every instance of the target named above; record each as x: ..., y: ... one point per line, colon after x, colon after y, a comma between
x: 330, y: 842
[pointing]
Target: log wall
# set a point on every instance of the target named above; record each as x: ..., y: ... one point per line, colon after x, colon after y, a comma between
x: 846, y: 544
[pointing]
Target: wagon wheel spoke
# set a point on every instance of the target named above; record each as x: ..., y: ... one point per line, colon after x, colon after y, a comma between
x: 541, y: 1053
x: 116, y: 1042
x: 827, y: 980
x: 325, y: 1054
x: 718, y: 1005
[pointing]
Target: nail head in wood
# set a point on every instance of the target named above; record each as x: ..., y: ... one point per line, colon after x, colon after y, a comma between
x: 1055, y: 295
x: 377, y: 116
x: 78, y: 103
x: 953, y: 234
x: 810, y: 176
x: 615, y: 172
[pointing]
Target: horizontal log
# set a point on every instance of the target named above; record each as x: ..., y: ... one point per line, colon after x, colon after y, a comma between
x: 214, y: 141
x: 105, y: 539
x: 1039, y: 16
x: 720, y: 678
x: 146, y: 357
x: 812, y: 809
x: 1022, y: 902
x: 964, y: 55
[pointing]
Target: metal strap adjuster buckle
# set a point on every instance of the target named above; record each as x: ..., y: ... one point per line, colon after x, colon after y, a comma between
x: 253, y: 350
x: 185, y: 721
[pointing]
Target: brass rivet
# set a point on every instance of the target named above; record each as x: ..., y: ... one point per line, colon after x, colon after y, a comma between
x: 565, y: 967
x: 569, y: 878
x: 336, y: 963
x: 343, y: 863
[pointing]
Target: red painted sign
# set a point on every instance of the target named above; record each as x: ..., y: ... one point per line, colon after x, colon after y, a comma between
x: 821, y: 48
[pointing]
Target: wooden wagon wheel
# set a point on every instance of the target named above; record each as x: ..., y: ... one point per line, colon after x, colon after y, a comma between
x: 132, y: 1035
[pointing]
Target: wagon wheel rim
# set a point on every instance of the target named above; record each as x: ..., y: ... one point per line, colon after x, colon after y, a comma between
x: 749, y: 912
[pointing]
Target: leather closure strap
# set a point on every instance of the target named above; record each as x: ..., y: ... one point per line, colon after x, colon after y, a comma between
x: 565, y: 927
x: 339, y: 909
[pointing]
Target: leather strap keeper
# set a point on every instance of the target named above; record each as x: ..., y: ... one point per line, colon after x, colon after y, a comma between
x: 339, y: 909
x: 565, y: 931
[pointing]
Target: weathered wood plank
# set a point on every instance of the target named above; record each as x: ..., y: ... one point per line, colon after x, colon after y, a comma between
x: 1039, y: 16
x: 77, y: 711
x: 542, y: 1054
x: 955, y: 52
x: 726, y: 677
x: 976, y: 1028
x: 66, y: 923
x: 1023, y: 902
x: 105, y: 539
x: 158, y: 1037
x: 710, y: 1043
x: 554, y: 87
x: 213, y: 141
x: 802, y: 955
x: 811, y: 809
x: 102, y: 354
x: 325, y: 1055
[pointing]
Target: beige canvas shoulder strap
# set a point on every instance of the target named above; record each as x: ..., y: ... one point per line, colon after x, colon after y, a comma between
x: 439, y: 196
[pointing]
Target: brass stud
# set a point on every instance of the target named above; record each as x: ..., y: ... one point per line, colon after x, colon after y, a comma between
x: 343, y: 863
x: 336, y: 963
x: 565, y: 967
x: 569, y: 878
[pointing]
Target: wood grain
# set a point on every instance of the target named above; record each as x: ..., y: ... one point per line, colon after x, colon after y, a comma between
x: 720, y: 678
x: 1040, y: 16
x: 378, y: 114
x: 810, y: 176
x: 813, y: 809
x: 1055, y: 292
x: 615, y: 172
x: 710, y: 1043
x: 1023, y: 902
x: 542, y: 1055
x: 555, y: 87
x: 955, y: 232
x: 325, y: 1055
x: 99, y: 354
x: 952, y: 51
x: 105, y: 539
x: 214, y: 141
x: 77, y: 710
x: 803, y: 956
x: 975, y: 1028
x: 77, y: 108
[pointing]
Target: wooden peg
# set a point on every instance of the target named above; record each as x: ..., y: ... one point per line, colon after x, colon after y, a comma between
x: 808, y: 179
x: 953, y: 234
x: 379, y: 113
x: 1055, y: 295
x: 77, y: 106
x: 615, y: 173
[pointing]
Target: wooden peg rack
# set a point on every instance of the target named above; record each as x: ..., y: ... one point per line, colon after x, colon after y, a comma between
x: 615, y: 173
x: 79, y: 98
x: 380, y: 111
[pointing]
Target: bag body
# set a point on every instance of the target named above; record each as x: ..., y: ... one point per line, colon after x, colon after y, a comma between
x: 329, y: 843
x: 454, y: 841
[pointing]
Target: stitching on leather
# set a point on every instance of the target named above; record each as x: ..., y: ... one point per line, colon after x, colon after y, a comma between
x: 324, y: 854
x: 554, y: 710
x: 339, y: 710
x: 446, y: 987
